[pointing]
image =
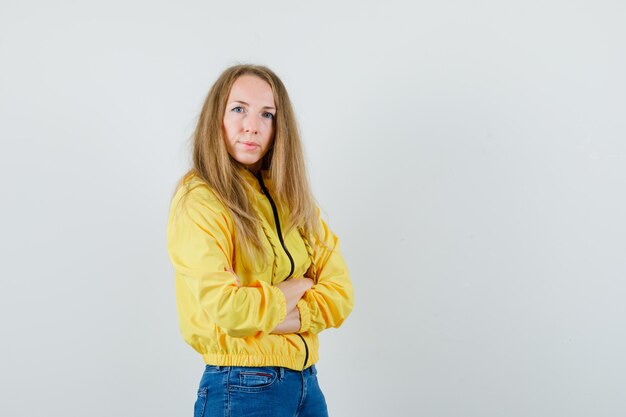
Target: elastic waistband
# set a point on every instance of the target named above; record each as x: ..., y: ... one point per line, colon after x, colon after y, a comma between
x: 294, y: 362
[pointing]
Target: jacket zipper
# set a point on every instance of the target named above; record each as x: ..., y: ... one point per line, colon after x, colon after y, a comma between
x: 306, y: 351
x: 282, y: 242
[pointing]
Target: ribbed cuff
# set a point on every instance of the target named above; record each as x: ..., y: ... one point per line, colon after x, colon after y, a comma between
x: 282, y: 305
x: 305, y: 316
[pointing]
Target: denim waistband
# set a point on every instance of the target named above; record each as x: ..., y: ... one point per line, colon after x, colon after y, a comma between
x: 311, y: 370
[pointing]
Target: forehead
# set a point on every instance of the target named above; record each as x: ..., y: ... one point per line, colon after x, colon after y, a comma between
x: 252, y: 90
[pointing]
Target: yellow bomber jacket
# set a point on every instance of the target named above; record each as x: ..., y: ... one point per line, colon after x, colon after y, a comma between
x: 230, y: 325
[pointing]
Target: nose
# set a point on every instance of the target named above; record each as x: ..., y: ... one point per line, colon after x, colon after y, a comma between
x: 250, y: 124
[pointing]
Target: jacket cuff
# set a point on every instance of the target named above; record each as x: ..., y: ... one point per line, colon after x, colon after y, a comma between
x: 282, y: 305
x: 305, y: 316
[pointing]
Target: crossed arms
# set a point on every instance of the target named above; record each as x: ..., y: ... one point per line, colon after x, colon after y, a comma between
x: 200, y: 247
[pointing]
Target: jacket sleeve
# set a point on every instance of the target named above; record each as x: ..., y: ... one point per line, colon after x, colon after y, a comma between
x: 330, y: 300
x: 201, y: 248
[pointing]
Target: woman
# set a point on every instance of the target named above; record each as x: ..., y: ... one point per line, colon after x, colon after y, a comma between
x: 258, y: 273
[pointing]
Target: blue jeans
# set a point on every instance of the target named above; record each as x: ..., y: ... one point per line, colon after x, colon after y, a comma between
x: 237, y: 391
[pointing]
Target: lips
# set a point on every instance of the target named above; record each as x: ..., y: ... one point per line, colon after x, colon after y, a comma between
x: 249, y: 145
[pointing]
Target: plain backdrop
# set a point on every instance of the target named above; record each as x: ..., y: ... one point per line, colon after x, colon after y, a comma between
x: 471, y: 156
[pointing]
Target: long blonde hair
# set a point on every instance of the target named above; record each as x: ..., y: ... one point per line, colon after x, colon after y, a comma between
x: 285, y: 162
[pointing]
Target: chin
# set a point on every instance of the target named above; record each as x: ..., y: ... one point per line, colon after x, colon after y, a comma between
x: 248, y: 161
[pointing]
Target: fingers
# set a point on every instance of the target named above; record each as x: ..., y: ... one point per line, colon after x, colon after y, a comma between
x: 309, y: 282
x: 234, y: 275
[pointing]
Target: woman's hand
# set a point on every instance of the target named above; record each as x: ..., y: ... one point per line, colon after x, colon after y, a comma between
x: 291, y: 324
x: 294, y: 289
x: 237, y: 281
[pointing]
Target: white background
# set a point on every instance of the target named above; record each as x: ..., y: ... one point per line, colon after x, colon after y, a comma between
x: 471, y: 155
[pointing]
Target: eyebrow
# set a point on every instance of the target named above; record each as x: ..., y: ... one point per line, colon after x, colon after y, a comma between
x: 243, y: 102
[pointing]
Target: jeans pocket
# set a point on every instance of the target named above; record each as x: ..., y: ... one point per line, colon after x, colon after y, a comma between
x: 200, y: 405
x: 253, y: 379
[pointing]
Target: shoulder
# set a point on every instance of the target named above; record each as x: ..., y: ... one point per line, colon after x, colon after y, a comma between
x: 194, y: 196
x: 193, y: 186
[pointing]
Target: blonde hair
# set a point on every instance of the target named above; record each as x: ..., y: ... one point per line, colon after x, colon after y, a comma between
x: 285, y: 162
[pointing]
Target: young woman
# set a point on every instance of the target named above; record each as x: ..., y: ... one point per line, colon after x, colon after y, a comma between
x: 258, y: 273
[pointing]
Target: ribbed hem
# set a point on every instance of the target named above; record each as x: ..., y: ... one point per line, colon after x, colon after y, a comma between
x: 290, y: 362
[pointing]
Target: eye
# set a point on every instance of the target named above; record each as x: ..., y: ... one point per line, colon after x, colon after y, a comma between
x: 238, y: 109
x: 268, y: 115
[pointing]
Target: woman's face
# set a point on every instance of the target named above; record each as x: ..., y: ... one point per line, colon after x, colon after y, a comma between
x: 249, y: 121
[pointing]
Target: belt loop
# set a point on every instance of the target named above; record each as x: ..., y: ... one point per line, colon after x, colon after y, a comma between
x: 281, y: 372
